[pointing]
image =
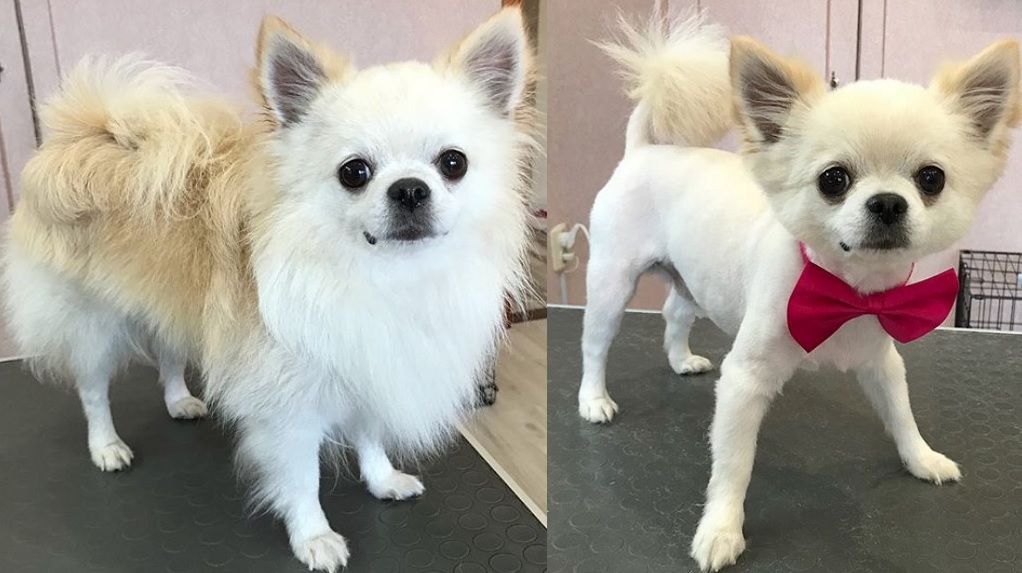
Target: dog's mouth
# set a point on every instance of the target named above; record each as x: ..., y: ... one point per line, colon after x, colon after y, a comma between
x: 405, y: 235
x: 881, y: 245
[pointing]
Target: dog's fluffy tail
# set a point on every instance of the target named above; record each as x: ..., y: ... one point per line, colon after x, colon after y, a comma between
x: 123, y: 135
x: 677, y: 73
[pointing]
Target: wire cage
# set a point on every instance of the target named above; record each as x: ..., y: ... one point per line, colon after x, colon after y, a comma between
x: 990, y: 291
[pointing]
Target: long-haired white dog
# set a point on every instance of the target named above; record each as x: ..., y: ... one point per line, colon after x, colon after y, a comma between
x: 338, y: 269
x: 868, y: 177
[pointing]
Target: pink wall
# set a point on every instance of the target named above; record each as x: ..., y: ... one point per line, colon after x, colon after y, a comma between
x: 588, y: 111
x: 17, y: 135
x: 586, y: 116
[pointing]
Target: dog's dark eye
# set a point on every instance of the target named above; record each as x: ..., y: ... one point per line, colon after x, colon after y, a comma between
x: 355, y: 174
x: 930, y: 180
x: 452, y: 164
x: 834, y: 181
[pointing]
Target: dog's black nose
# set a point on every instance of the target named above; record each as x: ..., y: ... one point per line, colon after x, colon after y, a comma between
x: 409, y: 192
x: 888, y: 207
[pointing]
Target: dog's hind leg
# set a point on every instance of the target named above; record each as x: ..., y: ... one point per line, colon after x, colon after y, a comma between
x: 98, y: 345
x: 70, y: 336
x: 181, y: 405
x: 680, y: 313
x: 92, y: 380
x: 610, y: 284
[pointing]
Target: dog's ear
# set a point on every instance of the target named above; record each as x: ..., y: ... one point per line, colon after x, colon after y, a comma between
x: 984, y: 88
x: 290, y: 70
x: 767, y: 87
x: 497, y: 59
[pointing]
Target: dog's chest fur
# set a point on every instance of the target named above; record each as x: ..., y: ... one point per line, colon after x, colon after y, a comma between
x: 859, y: 341
x: 400, y: 345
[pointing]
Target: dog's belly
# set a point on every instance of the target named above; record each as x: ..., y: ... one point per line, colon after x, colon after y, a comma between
x: 725, y: 315
x: 721, y: 270
x: 713, y: 223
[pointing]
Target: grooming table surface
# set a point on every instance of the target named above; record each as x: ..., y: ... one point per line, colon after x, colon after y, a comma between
x: 178, y: 509
x: 828, y: 491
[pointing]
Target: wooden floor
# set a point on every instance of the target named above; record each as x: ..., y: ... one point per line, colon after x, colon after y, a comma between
x: 511, y: 434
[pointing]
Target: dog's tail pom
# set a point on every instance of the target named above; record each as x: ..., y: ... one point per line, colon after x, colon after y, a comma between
x: 677, y: 73
x: 122, y: 134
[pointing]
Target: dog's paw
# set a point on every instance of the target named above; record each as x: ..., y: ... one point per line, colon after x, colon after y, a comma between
x: 112, y: 457
x: 933, y: 466
x: 397, y: 486
x: 188, y: 408
x: 598, y: 410
x: 326, y: 552
x: 690, y: 364
x: 716, y: 546
x: 487, y: 394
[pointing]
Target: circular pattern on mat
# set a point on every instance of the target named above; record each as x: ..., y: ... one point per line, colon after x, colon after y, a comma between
x: 828, y: 492
x: 179, y: 510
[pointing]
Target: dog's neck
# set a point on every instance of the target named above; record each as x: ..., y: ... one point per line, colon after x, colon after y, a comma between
x: 865, y: 278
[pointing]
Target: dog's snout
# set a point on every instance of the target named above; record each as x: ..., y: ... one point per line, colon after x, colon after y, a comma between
x: 888, y: 207
x: 409, y: 192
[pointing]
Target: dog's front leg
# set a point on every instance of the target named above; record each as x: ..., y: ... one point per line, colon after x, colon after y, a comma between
x: 284, y: 456
x: 383, y: 480
x: 884, y: 383
x: 746, y: 387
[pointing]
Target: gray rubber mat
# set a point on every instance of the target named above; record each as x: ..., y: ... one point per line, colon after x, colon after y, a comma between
x: 828, y: 492
x: 179, y: 510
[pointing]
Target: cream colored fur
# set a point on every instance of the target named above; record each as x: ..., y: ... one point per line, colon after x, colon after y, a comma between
x: 164, y: 226
x: 725, y: 228
x: 662, y: 65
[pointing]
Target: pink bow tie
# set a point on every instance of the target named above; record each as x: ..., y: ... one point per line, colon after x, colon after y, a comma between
x: 822, y: 302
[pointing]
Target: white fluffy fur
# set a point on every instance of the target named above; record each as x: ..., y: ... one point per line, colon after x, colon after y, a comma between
x: 724, y: 229
x: 308, y: 336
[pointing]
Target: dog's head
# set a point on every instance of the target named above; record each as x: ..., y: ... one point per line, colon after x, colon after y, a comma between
x: 877, y: 170
x: 395, y: 155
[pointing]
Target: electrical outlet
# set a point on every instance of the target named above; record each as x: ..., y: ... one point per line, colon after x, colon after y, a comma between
x: 556, y: 248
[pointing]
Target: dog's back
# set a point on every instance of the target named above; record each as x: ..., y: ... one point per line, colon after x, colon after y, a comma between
x: 124, y: 137
x: 129, y: 209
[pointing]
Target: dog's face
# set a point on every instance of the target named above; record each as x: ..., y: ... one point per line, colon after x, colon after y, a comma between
x: 878, y: 170
x: 398, y: 155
